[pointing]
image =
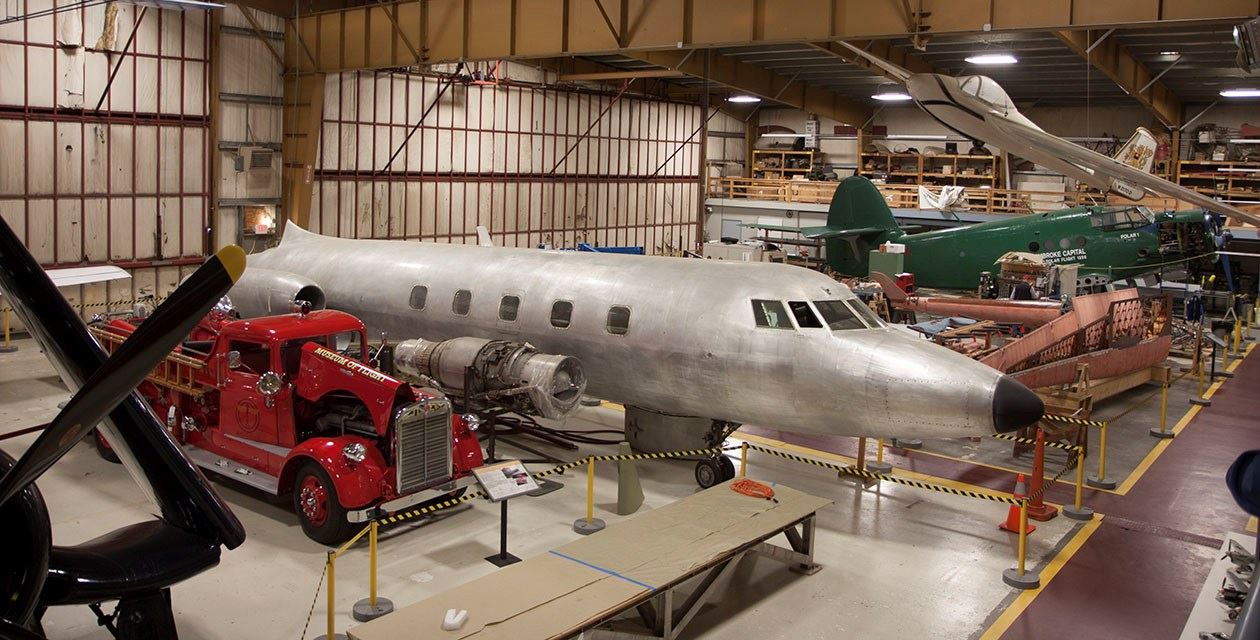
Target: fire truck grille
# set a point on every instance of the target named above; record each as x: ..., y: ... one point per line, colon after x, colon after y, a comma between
x: 423, y: 431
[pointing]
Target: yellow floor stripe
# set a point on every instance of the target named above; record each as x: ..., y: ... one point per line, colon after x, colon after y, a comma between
x: 1048, y: 573
x: 1251, y: 524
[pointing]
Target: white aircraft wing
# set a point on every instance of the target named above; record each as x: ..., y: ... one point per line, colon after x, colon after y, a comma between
x: 85, y: 275
x: 1105, y: 168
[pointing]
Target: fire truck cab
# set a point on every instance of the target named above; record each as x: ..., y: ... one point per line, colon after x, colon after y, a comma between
x: 287, y: 404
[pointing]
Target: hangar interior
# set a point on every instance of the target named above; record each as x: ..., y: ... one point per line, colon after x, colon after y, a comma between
x: 756, y: 319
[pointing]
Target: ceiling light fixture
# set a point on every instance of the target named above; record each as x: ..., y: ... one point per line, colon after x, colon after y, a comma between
x: 992, y: 58
x: 743, y: 98
x: 1169, y: 53
x: 1240, y: 93
x: 916, y: 136
x: 892, y: 95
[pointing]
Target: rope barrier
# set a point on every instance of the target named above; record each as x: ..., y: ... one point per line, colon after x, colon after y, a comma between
x: 1071, y: 420
x: 1056, y: 445
x: 111, y: 303
x: 861, y: 473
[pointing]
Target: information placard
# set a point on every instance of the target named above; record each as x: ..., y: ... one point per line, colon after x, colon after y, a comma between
x: 504, y: 480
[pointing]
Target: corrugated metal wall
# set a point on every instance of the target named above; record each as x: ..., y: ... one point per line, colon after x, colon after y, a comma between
x: 533, y: 165
x: 95, y: 172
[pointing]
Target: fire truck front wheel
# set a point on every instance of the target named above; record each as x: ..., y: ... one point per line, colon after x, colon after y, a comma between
x: 318, y: 508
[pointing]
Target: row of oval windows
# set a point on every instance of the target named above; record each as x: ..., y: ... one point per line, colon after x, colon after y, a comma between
x: 617, y: 322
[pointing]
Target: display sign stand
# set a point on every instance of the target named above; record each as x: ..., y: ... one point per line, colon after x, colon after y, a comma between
x: 502, y: 482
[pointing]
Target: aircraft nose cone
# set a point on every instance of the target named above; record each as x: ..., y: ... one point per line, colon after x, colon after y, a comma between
x: 1015, y: 405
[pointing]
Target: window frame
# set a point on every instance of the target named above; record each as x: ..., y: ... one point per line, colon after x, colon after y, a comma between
x: 411, y: 297
x: 516, y: 312
x: 791, y: 321
x: 568, y: 319
x: 609, y: 316
x: 455, y: 301
x: 812, y: 312
x: 844, y: 302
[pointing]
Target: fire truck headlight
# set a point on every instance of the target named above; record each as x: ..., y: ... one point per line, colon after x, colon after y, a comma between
x: 354, y: 452
x: 472, y: 421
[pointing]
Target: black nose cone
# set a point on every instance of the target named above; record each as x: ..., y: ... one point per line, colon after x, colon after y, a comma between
x: 1015, y: 405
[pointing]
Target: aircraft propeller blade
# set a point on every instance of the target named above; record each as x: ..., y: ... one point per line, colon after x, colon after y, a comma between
x: 135, y: 358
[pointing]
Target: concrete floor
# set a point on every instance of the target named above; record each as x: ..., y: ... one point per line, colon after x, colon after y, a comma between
x: 898, y: 561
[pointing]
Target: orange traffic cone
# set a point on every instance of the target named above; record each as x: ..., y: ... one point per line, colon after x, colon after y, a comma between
x: 1012, y: 515
x: 1038, y: 509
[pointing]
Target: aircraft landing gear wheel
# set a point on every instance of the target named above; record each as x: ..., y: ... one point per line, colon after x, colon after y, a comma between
x: 318, y: 508
x: 713, y: 471
x: 103, y: 448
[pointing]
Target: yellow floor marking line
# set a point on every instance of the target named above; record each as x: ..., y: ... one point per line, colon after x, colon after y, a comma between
x: 1251, y: 524
x: 1160, y: 446
x: 1048, y: 573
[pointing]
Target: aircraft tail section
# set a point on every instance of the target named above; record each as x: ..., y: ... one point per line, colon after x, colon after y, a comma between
x: 1139, y: 153
x: 858, y: 221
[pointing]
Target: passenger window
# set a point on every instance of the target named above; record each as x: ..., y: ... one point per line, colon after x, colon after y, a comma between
x: 561, y: 314
x: 770, y: 313
x: 805, y: 317
x: 419, y: 294
x: 508, y: 306
x: 838, y: 315
x: 618, y: 321
x: 1034, y: 246
x: 462, y: 302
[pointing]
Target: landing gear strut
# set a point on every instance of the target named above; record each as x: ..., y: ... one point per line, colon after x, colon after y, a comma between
x: 717, y: 469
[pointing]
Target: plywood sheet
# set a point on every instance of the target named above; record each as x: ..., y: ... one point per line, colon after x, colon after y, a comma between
x: 554, y: 594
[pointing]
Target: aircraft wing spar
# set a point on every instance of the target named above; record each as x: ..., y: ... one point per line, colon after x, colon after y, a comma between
x: 1102, y: 166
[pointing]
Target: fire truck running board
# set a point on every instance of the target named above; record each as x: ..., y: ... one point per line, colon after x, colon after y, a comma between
x: 234, y: 470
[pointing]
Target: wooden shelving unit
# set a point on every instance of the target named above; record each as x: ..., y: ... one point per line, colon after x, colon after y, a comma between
x: 1230, y: 181
x: 944, y: 169
x: 781, y: 164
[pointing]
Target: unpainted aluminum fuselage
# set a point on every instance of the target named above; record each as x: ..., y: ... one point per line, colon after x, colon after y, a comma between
x: 692, y: 348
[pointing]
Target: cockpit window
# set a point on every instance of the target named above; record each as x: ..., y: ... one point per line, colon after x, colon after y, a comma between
x: 873, y: 321
x: 1130, y: 218
x: 771, y: 314
x: 838, y: 315
x: 805, y: 317
x: 986, y: 89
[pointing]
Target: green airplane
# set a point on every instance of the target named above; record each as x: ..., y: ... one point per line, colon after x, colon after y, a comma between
x: 1108, y: 242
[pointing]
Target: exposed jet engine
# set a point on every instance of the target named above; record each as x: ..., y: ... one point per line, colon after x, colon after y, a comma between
x: 265, y: 292
x: 493, y: 372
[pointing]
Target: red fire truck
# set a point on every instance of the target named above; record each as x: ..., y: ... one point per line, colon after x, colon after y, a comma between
x: 287, y: 404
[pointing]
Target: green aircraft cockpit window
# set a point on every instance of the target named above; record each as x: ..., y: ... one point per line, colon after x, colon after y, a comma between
x: 1128, y: 218
x: 838, y: 315
x: 770, y: 314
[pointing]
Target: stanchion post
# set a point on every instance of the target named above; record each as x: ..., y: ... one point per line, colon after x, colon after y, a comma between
x: 590, y: 524
x: 1198, y: 351
x: 743, y: 460
x: 1162, y: 431
x: 1079, y: 511
x: 330, y: 630
x: 1101, y: 481
x: 1019, y: 577
x: 372, y: 607
x: 7, y: 347
x: 879, y: 466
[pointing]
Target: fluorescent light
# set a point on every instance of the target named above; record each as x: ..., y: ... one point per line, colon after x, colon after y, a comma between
x: 743, y: 98
x: 892, y: 96
x: 1169, y: 53
x: 177, y: 4
x: 908, y: 136
x: 1240, y: 93
x: 1237, y: 170
x: 992, y: 58
x: 1245, y: 141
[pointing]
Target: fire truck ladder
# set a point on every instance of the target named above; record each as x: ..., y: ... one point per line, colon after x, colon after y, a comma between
x: 177, y: 371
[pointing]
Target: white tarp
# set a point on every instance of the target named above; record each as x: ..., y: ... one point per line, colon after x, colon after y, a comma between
x: 951, y: 197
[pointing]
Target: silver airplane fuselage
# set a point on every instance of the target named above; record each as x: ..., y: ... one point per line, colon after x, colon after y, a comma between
x: 692, y: 346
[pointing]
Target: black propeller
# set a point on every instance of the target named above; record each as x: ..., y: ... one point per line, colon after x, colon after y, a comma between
x: 127, y: 367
